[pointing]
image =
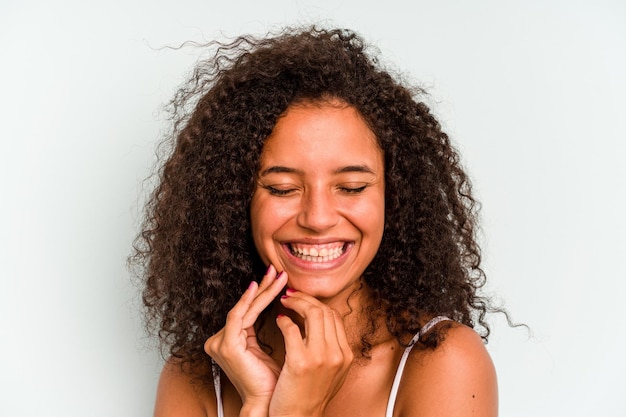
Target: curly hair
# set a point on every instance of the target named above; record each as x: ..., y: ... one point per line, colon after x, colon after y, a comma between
x: 196, y: 251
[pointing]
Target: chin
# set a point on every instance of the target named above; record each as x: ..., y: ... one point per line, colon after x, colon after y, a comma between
x: 323, y: 288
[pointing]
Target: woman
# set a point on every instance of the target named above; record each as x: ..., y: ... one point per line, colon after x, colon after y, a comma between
x: 305, y: 163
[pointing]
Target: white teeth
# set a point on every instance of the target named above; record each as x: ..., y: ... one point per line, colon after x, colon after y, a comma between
x: 317, y: 254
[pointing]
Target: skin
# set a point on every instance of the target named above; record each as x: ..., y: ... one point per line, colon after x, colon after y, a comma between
x: 321, y: 186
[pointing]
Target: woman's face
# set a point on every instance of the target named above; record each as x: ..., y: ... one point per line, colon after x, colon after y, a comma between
x: 318, y: 207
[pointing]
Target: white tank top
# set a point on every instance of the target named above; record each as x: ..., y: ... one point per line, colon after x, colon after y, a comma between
x: 394, y: 387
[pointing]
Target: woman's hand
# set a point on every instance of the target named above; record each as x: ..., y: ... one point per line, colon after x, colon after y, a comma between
x: 315, y: 365
x: 235, y: 347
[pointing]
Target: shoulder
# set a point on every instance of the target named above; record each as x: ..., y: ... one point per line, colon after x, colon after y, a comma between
x: 181, y: 394
x: 456, y: 378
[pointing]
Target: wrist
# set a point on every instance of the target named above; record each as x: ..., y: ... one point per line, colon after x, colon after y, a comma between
x: 300, y: 413
x: 251, y: 409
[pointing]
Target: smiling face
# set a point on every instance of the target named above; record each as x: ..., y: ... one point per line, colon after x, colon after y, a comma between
x: 318, y: 207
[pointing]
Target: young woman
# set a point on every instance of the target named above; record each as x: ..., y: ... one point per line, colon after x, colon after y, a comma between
x: 309, y: 249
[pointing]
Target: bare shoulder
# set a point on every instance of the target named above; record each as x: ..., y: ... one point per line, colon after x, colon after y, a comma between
x: 180, y: 395
x: 455, y: 379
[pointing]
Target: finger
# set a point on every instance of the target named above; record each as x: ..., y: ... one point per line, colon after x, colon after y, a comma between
x: 335, y: 338
x: 235, y: 317
x: 325, y: 331
x: 268, y: 278
x: 294, y: 345
x: 342, y: 337
x: 263, y: 299
x: 316, y: 315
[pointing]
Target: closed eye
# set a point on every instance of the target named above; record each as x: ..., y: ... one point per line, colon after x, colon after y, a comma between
x: 353, y: 190
x: 278, y: 191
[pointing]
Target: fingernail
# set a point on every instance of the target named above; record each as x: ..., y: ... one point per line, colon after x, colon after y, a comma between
x: 279, y: 316
x: 251, y: 284
x: 280, y: 274
x: 290, y: 291
x: 268, y: 269
x: 284, y: 296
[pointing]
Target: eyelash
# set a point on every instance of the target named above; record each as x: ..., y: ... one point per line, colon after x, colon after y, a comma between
x: 281, y: 193
x: 276, y: 191
x: 357, y: 190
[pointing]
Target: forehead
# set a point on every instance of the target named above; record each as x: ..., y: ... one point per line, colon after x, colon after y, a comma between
x: 323, y: 132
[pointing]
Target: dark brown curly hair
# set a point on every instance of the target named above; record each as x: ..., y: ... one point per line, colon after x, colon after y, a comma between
x: 196, y: 253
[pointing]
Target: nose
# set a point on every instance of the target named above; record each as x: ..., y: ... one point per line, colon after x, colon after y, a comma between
x: 318, y: 211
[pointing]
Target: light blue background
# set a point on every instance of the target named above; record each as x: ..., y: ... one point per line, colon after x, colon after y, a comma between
x: 533, y: 94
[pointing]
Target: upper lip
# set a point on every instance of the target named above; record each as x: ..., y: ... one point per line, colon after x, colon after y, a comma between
x: 314, y: 241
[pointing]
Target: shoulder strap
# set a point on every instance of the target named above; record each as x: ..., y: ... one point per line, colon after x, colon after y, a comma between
x: 218, y: 388
x: 396, y: 380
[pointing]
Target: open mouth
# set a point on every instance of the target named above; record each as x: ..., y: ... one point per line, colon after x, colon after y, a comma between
x: 318, y: 253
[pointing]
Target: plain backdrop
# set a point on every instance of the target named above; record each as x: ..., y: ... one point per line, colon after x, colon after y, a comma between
x: 531, y: 92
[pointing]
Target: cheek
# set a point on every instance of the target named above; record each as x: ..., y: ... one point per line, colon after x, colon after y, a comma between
x: 256, y: 222
x: 369, y: 216
x: 266, y: 217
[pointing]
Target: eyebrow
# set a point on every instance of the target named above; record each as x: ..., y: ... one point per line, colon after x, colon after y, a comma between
x: 355, y: 168
x: 277, y: 169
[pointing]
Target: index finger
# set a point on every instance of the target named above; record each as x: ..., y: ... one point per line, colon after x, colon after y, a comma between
x: 264, y: 298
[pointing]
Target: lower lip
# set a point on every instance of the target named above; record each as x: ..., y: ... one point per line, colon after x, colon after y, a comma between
x: 317, y: 266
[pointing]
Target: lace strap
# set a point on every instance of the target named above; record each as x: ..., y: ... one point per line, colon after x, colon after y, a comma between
x: 396, y: 381
x: 431, y: 323
x: 218, y: 388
